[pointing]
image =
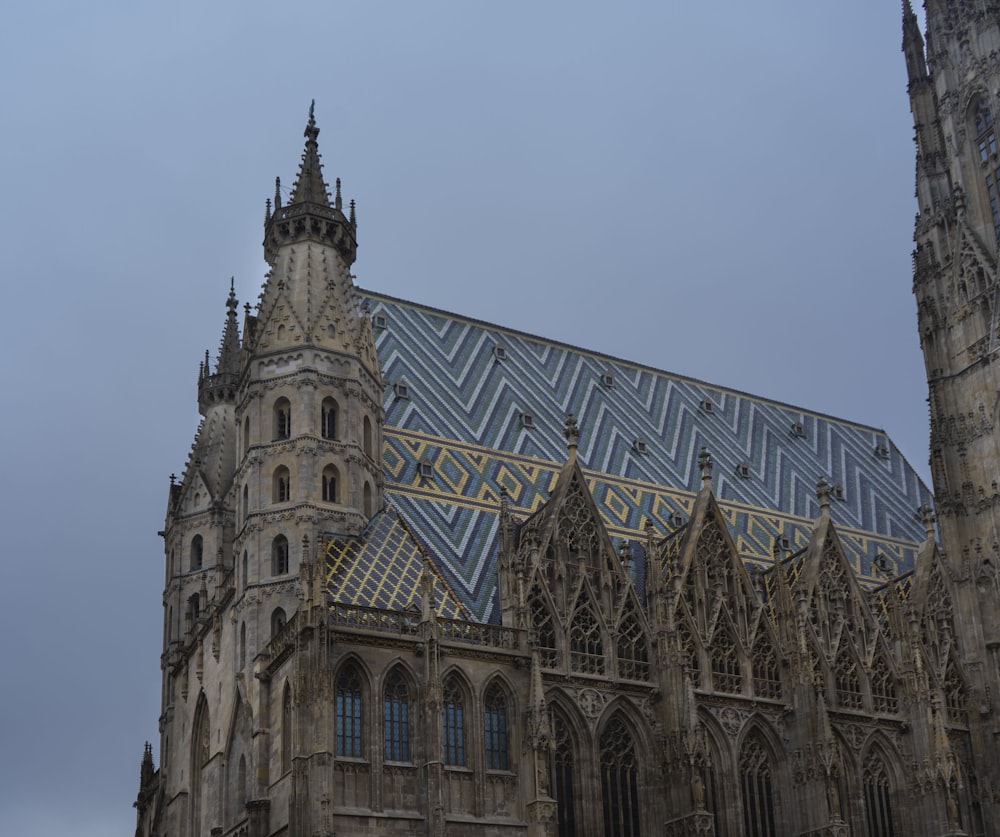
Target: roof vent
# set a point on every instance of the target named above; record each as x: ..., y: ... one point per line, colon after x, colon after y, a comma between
x: 380, y: 321
x: 527, y: 419
x: 499, y: 353
x: 799, y: 430
x: 426, y: 469
x: 881, y: 451
x: 784, y: 542
x: 743, y: 470
x: 640, y: 447
x: 707, y: 406
x: 676, y: 519
x: 837, y: 491
x: 608, y: 380
x: 401, y: 389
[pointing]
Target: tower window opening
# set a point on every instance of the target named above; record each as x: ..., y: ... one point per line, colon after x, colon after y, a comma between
x: 197, y: 552
x: 281, y: 490
x: 279, y: 555
x: 985, y: 133
x: 330, y: 484
x: 328, y: 419
x: 282, y: 419
x: 366, y: 440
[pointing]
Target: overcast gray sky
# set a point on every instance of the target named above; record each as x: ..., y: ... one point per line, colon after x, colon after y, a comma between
x: 723, y: 190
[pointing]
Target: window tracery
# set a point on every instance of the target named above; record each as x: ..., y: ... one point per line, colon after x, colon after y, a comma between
x: 619, y: 781
x: 495, y: 718
x: 585, y: 644
x: 453, y: 723
x: 766, y: 674
x: 545, y: 635
x: 757, y: 790
x: 883, y: 682
x: 577, y: 525
x: 847, y: 681
x: 348, y: 712
x: 878, y: 798
x: 633, y: 652
x: 563, y: 764
x: 956, y: 705
x: 396, y: 718
x: 725, y: 663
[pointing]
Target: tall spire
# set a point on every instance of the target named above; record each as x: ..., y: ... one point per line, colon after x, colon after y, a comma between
x: 913, y: 45
x: 309, y: 185
x: 309, y: 213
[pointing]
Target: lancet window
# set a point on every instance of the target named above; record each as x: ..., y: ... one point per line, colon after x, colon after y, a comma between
x: 633, y: 653
x: 348, y: 703
x: 197, y: 552
x: 766, y: 674
x: 282, y: 419
x: 883, y: 687
x: 757, y: 788
x: 281, y: 488
x: 563, y: 764
x: 725, y: 663
x: 396, y: 717
x: 545, y: 635
x: 878, y: 798
x: 954, y: 696
x: 585, y: 645
x: 330, y: 484
x: 328, y: 419
x: 619, y: 782
x: 847, y: 681
x: 453, y: 723
x: 286, y: 729
x: 279, y: 555
x: 495, y: 728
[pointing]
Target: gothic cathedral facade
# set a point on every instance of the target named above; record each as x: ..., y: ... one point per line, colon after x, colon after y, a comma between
x: 408, y: 593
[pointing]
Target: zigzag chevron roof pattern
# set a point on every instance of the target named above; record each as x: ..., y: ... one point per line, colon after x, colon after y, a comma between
x: 464, y: 409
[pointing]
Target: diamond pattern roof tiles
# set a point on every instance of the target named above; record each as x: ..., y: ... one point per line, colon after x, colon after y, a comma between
x: 463, y: 413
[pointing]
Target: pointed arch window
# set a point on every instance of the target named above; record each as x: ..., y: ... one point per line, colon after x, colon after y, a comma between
x: 277, y: 621
x: 883, y: 687
x: 495, y: 723
x: 633, y: 653
x: 453, y: 723
x: 396, y: 712
x: 563, y: 764
x: 282, y: 419
x: 243, y: 644
x: 197, y: 552
x: 985, y: 133
x: 757, y: 790
x: 246, y: 503
x: 545, y: 635
x: 245, y: 566
x: 281, y: 487
x: 726, y: 675
x: 246, y: 435
x: 367, y: 500
x: 347, y: 707
x: 586, y: 649
x: 241, y: 785
x: 328, y: 419
x: 286, y: 729
x: 619, y: 781
x: 330, y: 479
x: 847, y: 681
x: 367, y: 437
x: 955, y: 703
x: 878, y: 798
x: 279, y: 555
x: 766, y: 674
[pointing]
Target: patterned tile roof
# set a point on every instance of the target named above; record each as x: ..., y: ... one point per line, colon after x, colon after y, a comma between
x: 464, y: 410
x: 382, y: 570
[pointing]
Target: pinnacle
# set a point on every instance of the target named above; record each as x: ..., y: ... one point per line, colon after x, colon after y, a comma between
x: 309, y: 186
x: 229, y: 350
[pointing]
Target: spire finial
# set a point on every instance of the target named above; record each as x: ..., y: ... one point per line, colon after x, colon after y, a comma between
x: 823, y: 495
x: 354, y: 217
x: 277, y: 194
x: 927, y: 518
x: 338, y: 202
x: 572, y: 433
x: 705, y: 466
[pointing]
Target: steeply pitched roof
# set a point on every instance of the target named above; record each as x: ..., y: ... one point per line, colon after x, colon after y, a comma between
x: 464, y: 411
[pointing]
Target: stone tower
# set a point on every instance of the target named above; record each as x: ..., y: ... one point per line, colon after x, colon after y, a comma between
x: 287, y: 456
x: 954, y: 89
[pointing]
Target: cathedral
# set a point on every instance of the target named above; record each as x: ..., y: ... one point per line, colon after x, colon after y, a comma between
x: 427, y: 575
